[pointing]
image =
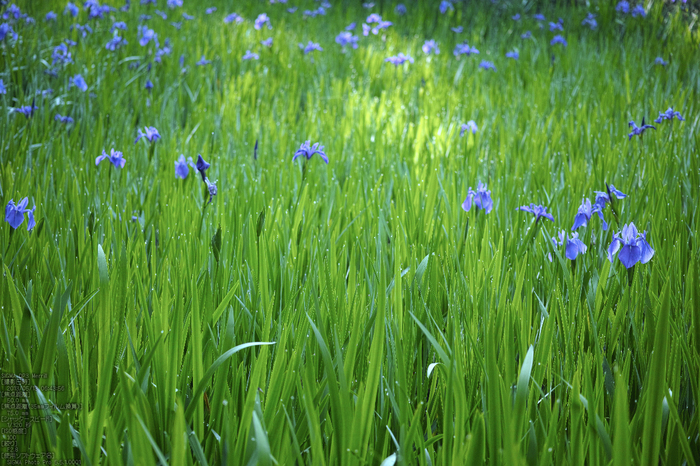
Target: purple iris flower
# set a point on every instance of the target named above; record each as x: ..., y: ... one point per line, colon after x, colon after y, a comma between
x: 250, y: 56
x: 516, y: 17
x: 118, y: 25
x: 63, y: 119
x: 166, y: 50
x: 635, y: 247
x: 26, y: 110
x: 14, y: 214
x: 465, y: 49
x: 310, y: 47
x: 351, y: 27
x: 146, y: 35
x: 144, y: 18
x: 558, y: 40
x: 457, y: 30
x: 71, y: 10
x: 126, y: 7
x: 79, y: 82
x: 539, y: 17
x: 161, y: 14
x: 468, y: 126
x: 365, y: 29
x: 149, y: 85
x: 590, y: 21
x: 381, y: 25
x: 210, y: 10
x: 3, y: 89
x: 211, y: 187
x: 292, y: 10
x: 481, y: 198
x: 638, y: 130
x: 514, y: 55
x: 172, y: 4
x: 660, y: 61
x: 639, y: 11
x: 555, y: 26
x: 262, y: 20
x: 61, y: 54
x: 115, y: 157
x: 347, y: 38
x: 151, y: 134
x: 560, y: 242
x: 176, y: 25
x: 84, y: 29
x: 574, y: 247
x: 116, y: 43
x: 430, y: 46
x: 233, y: 17
x: 368, y: 5
x: 668, y: 115
x: 585, y: 211
x: 446, y: 5
x: 526, y: 35
x: 623, y: 6
x: 202, y: 166
x: 181, y: 168
x: 538, y: 211
x: 187, y: 17
x: 307, y: 150
x: 45, y: 92
x: 50, y: 16
x: 203, y: 61
x: 400, y: 9
x: 399, y: 59
x: 603, y: 198
x: 267, y: 42
x: 373, y: 18
x: 487, y: 65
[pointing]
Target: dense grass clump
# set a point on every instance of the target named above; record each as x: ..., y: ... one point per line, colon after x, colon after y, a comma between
x: 277, y: 311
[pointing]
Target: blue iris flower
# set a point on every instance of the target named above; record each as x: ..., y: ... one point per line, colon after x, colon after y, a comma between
x: 151, y: 134
x: 638, y: 130
x: 574, y: 247
x: 115, y: 157
x: 14, y: 214
x: 481, y: 198
x: 262, y: 20
x: 669, y: 115
x: 585, y: 212
x: 632, y: 245
x: 538, y: 211
x: 250, y: 56
x: 468, y: 126
x: 181, y: 167
x: 430, y: 46
x: 399, y: 59
x: 307, y: 150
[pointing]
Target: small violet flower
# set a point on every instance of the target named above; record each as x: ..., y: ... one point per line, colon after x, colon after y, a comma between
x: 538, y: 211
x: 400, y: 9
x: 79, y: 82
x: 669, y: 115
x: 399, y: 59
x: 660, y: 61
x: 558, y: 40
x: 468, y: 126
x: 487, y: 65
x: 637, y: 130
x: 14, y: 214
x: 250, y: 56
x: 585, y: 212
x: 307, y: 150
x: 181, y: 168
x: 632, y: 245
x: 262, y: 20
x: 114, y: 156
x: 202, y: 166
x: 63, y: 119
x: 481, y: 199
x: 446, y: 5
x: 151, y: 134
x: 574, y: 247
x: 514, y: 55
x: 203, y: 61
x: 430, y: 46
x: 267, y: 42
x: 310, y: 47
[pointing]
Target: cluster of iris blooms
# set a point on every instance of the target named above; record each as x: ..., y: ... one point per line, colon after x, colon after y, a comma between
x: 631, y: 245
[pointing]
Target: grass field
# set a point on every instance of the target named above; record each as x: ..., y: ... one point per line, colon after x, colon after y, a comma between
x: 350, y: 312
